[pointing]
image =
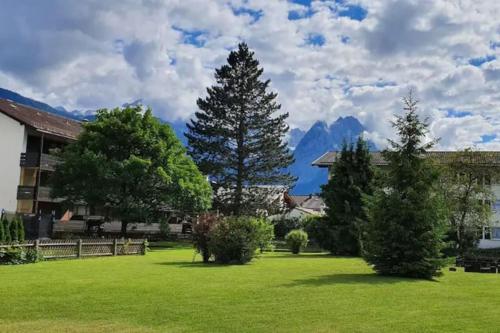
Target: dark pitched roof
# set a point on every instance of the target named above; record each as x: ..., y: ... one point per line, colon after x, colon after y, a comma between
x: 480, y: 157
x: 41, y: 121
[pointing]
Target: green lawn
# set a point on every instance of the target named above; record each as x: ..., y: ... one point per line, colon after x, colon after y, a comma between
x: 165, y: 292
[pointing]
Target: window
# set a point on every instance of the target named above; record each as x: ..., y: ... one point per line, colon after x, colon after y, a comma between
x: 495, y: 233
x: 496, y: 206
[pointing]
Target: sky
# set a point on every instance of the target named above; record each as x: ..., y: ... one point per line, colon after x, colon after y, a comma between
x: 325, y: 59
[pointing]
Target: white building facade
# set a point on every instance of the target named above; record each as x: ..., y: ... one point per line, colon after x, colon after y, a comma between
x: 491, y: 234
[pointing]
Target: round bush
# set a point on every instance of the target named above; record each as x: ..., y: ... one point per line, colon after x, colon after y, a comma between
x: 296, y: 240
x: 234, y: 240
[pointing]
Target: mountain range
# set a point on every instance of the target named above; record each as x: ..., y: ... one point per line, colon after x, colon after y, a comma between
x: 321, y: 138
x: 306, y: 145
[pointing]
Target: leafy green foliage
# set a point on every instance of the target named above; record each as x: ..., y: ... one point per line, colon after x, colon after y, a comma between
x: 201, y: 234
x: 283, y: 226
x: 406, y: 215
x: 133, y: 166
x: 20, y: 230
x: 297, y: 240
x: 234, y: 240
x: 265, y: 233
x: 235, y: 137
x: 351, y: 180
x: 164, y: 229
x: 466, y: 186
x: 6, y: 230
x: 15, y: 255
x: 2, y: 232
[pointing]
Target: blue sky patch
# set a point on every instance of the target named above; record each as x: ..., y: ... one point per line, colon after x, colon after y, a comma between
x: 488, y: 138
x: 315, y: 39
x: 192, y: 37
x: 452, y: 113
x: 354, y: 12
x: 345, y: 39
x: 481, y: 60
x: 255, y: 14
x: 494, y: 45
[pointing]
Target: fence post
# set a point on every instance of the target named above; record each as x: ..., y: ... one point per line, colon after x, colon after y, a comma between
x: 144, y: 247
x: 115, y: 247
x: 37, y: 247
x: 79, y: 248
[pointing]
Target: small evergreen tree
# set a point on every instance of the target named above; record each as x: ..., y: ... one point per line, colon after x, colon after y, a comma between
x: 14, y: 230
x: 350, y: 181
x: 2, y: 233
x: 406, y: 216
x: 236, y: 137
x: 20, y: 230
x: 6, y: 230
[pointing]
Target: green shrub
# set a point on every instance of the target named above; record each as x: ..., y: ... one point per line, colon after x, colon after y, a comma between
x: 164, y: 229
x: 15, y: 255
x: 265, y: 234
x: 234, y: 240
x: 6, y: 230
x: 318, y: 231
x: 201, y: 234
x: 2, y: 233
x: 33, y: 256
x: 12, y: 256
x: 296, y: 240
x: 284, y: 226
x: 14, y: 230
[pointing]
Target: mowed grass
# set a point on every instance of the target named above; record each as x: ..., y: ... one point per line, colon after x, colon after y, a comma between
x: 165, y: 291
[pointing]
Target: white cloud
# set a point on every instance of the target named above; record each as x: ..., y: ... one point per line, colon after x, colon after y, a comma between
x: 91, y: 54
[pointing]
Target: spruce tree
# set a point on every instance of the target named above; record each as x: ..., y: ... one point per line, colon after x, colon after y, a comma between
x: 20, y: 229
x: 350, y: 181
x: 406, y: 215
x: 6, y: 230
x: 14, y: 230
x: 238, y: 139
x: 2, y: 232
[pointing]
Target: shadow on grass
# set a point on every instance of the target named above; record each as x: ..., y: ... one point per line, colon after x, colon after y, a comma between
x: 198, y: 264
x: 322, y: 255
x: 352, y: 278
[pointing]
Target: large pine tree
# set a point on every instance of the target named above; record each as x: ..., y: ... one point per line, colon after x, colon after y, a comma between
x: 406, y: 215
x: 350, y: 181
x: 237, y: 137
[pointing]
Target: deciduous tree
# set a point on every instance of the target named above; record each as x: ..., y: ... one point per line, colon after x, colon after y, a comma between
x: 133, y: 166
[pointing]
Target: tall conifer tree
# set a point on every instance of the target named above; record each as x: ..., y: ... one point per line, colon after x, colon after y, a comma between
x: 350, y: 181
x: 406, y: 215
x: 237, y: 137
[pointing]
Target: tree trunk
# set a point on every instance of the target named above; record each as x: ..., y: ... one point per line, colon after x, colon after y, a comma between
x: 238, y: 197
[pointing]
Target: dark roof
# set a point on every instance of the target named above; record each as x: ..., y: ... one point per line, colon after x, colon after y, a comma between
x: 41, y: 121
x: 480, y: 157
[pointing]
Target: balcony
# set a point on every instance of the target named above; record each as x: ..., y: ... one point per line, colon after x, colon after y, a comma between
x: 29, y: 160
x: 44, y: 195
x: 49, y: 162
x: 25, y: 193
x: 44, y: 161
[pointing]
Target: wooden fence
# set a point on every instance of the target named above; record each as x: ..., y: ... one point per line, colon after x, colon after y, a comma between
x: 81, y: 248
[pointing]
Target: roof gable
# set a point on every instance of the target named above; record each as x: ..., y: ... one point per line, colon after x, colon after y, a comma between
x: 41, y: 121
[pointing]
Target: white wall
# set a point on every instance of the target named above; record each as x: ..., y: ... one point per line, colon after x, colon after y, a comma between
x: 12, y: 144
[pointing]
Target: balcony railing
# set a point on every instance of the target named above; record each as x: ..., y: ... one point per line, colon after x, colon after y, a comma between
x: 25, y: 193
x: 44, y: 195
x: 44, y: 161
x: 29, y: 160
x: 49, y: 162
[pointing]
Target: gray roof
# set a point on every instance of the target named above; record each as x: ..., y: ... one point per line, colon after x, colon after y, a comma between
x: 481, y: 157
x: 312, y: 202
